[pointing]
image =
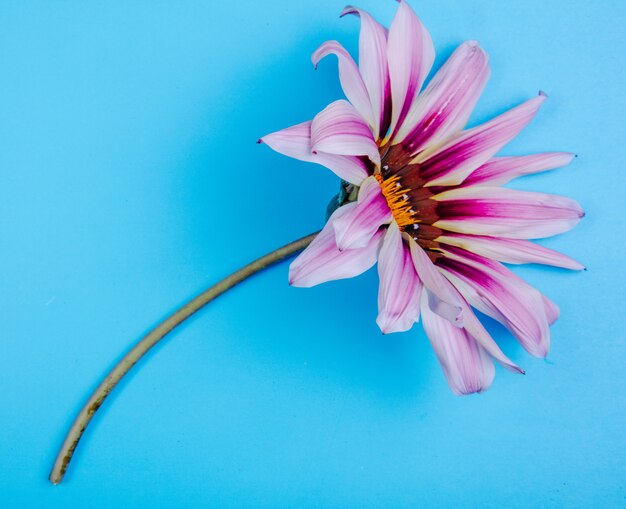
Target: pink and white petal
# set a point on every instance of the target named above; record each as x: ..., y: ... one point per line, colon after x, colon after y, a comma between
x: 348, y: 168
x: 443, y: 309
x: 497, y: 292
x: 450, y: 302
x: 477, y: 330
x: 552, y: 310
x: 451, y: 163
x: 339, y: 129
x: 295, y: 142
x: 445, y: 105
x: 509, y: 213
x: 500, y: 170
x: 473, y: 326
x: 322, y: 261
x: 400, y: 288
x: 373, y: 67
x: 515, y: 251
x: 466, y: 365
x: 350, y: 78
x: 356, y: 227
x: 410, y: 55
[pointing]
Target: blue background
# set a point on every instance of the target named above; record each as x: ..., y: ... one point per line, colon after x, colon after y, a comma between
x: 131, y: 180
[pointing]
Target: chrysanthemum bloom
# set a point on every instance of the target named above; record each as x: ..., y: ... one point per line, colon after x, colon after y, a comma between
x: 427, y: 202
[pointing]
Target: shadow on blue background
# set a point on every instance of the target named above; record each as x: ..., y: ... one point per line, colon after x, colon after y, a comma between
x: 131, y: 181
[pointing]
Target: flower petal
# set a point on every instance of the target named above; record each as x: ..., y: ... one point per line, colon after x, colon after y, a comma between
x: 472, y: 325
x: 450, y: 163
x: 552, y: 310
x: 451, y: 303
x: 295, y: 142
x: 349, y: 76
x: 500, y: 170
x: 373, y: 67
x: 410, y: 53
x: 356, y: 227
x: 508, y: 213
x: 339, y: 129
x: 443, y: 309
x: 322, y: 261
x: 445, y: 105
x: 510, y: 250
x: 400, y: 288
x: 477, y: 330
x: 466, y: 365
x: 497, y: 292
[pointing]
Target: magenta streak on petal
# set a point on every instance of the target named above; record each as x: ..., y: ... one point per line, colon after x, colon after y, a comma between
x: 322, y: 261
x: 451, y: 163
x: 477, y: 330
x: 400, y: 288
x: 410, y: 54
x: 373, y: 67
x: 349, y: 76
x: 465, y: 363
x: 295, y: 142
x: 355, y: 228
x: 339, y: 129
x: 435, y: 283
x: 444, y: 106
x: 508, y: 213
x: 500, y: 170
x: 497, y: 292
x: 510, y: 250
x: 492, y: 208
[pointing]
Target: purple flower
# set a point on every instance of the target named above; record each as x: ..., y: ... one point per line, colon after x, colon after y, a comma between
x: 427, y: 204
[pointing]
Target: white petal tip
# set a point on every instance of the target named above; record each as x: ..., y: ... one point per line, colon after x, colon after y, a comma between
x: 348, y: 9
x: 468, y: 392
x: 388, y: 325
x: 513, y: 368
x: 299, y: 284
x: 293, y: 279
x: 474, y: 46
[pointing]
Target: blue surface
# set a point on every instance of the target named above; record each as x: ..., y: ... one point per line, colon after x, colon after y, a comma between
x: 131, y: 181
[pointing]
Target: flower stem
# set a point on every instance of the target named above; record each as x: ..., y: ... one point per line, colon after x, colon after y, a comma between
x: 152, y: 338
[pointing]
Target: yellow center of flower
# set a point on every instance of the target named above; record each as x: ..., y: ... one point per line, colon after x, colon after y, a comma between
x: 397, y: 198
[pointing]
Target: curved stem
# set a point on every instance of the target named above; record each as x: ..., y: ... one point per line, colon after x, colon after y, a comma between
x: 152, y: 338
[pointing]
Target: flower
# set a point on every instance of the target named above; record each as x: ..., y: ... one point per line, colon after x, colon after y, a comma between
x: 427, y: 204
